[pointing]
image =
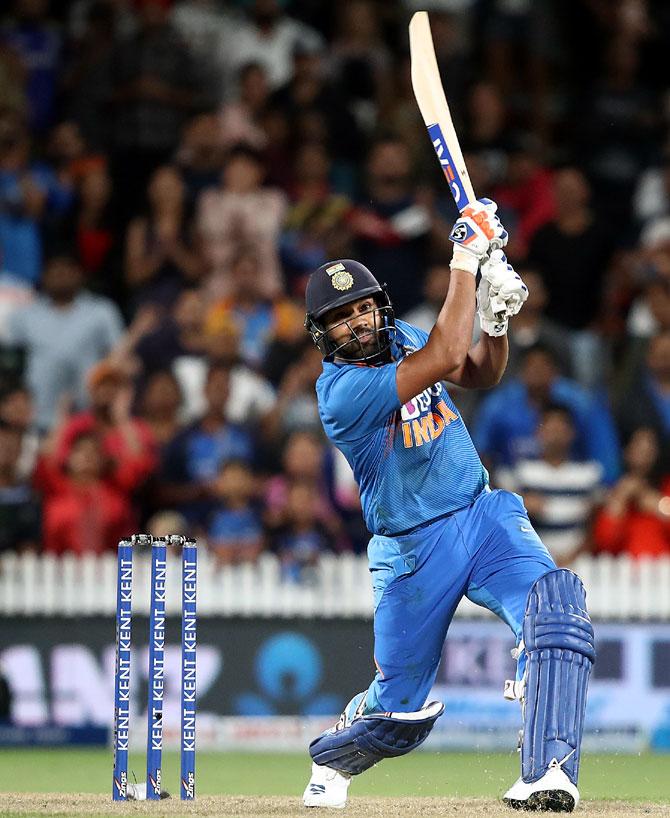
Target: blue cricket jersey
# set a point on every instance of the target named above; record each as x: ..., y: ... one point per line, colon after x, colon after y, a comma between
x: 412, y: 463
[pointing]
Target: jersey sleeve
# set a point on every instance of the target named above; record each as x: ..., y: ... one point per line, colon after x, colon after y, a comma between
x: 359, y: 400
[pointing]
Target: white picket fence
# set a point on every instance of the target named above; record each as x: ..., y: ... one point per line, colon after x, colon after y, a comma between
x: 618, y: 588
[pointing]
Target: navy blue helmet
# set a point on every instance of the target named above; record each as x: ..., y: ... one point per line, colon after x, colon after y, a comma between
x: 335, y: 284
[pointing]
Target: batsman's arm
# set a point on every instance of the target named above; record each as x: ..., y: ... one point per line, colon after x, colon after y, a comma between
x: 445, y: 354
x: 484, y: 364
x: 446, y: 350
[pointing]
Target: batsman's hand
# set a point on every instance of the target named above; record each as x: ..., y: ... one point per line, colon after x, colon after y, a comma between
x: 500, y: 295
x: 476, y: 234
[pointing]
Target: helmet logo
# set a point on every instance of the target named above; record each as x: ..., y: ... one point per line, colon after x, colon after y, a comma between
x: 339, y: 277
x: 342, y: 281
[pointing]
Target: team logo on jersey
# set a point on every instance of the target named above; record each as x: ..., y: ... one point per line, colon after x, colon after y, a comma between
x: 421, y: 421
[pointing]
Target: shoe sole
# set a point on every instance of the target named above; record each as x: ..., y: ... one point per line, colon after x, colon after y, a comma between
x: 544, y: 801
x: 325, y: 806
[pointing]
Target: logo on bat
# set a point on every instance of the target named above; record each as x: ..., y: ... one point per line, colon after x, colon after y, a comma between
x: 445, y: 160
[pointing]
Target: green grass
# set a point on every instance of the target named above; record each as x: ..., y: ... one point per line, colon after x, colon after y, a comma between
x: 626, y: 777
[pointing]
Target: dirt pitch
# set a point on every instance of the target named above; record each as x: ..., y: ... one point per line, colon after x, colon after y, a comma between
x: 99, y: 806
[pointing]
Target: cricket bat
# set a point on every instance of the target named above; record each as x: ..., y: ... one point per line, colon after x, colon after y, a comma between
x: 435, y: 111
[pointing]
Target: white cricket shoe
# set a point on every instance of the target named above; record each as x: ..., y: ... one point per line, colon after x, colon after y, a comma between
x: 326, y: 788
x: 554, y: 792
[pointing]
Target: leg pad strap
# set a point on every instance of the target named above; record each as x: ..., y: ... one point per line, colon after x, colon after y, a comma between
x: 369, y: 739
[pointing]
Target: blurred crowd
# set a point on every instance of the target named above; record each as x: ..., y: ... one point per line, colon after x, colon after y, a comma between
x: 170, y: 174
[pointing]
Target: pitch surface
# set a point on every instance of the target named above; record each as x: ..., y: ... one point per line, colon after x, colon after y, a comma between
x: 98, y: 806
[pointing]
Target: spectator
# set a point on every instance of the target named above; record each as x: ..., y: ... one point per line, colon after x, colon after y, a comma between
x: 519, y: 47
x: 164, y: 523
x: 252, y: 397
x: 200, y: 155
x: 635, y: 519
x: 119, y: 17
x: 31, y: 196
x: 506, y: 424
x: 287, y: 346
x: 488, y: 133
x: 296, y: 407
x: 650, y: 312
x: 315, y: 109
x: 87, y: 76
x: 241, y: 212
x: 161, y: 259
x: 87, y: 506
x: 12, y: 83
x: 89, y: 224
x: 399, y: 117
x: 279, y: 151
x: 70, y: 154
x: 202, y: 25
x: 315, y: 226
x: 572, y: 254
x: 15, y: 294
x: 20, y: 513
x: 617, y: 123
x: 64, y: 332
x: 304, y: 459
x: 160, y: 344
x: 268, y: 36
x: 93, y: 231
x: 240, y: 119
x: 17, y: 412
x: 127, y: 441
x: 559, y: 493
x: 159, y: 405
x: 255, y: 316
x: 155, y: 88
x: 36, y: 41
x: 234, y: 531
x: 527, y: 191
x: 392, y: 229
x: 532, y: 327
x: 300, y: 540
x: 191, y: 462
x: 435, y: 288
x: 644, y: 399
x: 360, y: 62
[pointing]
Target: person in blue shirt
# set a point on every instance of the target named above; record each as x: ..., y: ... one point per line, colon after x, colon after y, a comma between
x: 505, y: 425
x: 438, y: 532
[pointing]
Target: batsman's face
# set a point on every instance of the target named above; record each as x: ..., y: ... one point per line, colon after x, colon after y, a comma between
x: 355, y: 322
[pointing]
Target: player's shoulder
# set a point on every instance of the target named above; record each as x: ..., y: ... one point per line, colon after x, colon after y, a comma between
x: 409, y: 337
x: 338, y: 375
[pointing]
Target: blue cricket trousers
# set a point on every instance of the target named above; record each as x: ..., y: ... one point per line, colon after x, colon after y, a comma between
x: 487, y: 551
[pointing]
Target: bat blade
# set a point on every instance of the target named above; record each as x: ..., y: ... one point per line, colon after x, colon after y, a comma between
x: 434, y: 109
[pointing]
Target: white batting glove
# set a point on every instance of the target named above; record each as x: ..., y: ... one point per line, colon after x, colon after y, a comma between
x: 492, y: 323
x: 500, y: 295
x: 475, y: 234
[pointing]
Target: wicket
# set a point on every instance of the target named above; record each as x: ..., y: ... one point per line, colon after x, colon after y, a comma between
x: 156, y: 664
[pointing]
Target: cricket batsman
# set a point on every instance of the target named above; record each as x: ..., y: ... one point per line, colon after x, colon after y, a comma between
x: 438, y: 531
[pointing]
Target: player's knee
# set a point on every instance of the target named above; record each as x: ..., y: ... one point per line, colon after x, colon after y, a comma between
x: 556, y: 615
